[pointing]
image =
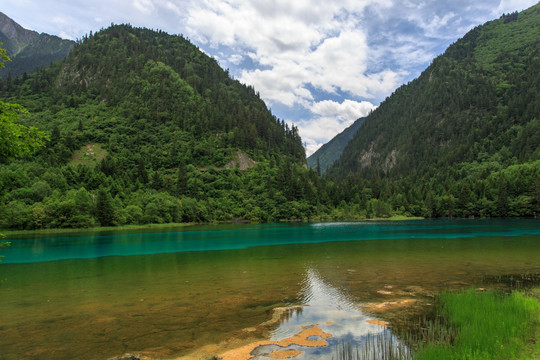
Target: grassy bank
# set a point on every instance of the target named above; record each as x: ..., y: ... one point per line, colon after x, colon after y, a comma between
x: 468, y: 325
x: 487, y: 326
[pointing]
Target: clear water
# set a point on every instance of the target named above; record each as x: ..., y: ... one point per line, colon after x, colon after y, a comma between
x: 175, y: 292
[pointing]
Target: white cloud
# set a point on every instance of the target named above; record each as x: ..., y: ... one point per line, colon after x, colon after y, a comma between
x: 347, y: 110
x: 169, y: 5
x: 331, y: 117
x: 144, y: 6
x: 65, y: 35
x: 295, y: 53
x: 236, y: 59
x: 507, y: 6
x: 296, y: 43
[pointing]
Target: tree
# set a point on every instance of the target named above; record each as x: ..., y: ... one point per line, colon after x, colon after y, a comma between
x: 17, y: 140
x: 3, y: 56
x: 142, y: 175
x: 104, y: 208
x: 502, y: 198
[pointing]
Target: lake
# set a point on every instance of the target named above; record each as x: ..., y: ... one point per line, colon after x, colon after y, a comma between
x: 199, y: 291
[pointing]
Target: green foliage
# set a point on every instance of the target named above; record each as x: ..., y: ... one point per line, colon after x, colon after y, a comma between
x: 166, y: 125
x: 142, y: 125
x: 3, y: 56
x: 447, y: 143
x: 16, y: 139
x: 488, y: 326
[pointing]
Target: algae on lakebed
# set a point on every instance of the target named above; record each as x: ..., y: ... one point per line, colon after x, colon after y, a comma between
x: 172, y: 304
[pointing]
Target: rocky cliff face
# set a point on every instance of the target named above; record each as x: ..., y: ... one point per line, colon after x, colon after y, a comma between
x: 15, y: 37
x: 28, y: 49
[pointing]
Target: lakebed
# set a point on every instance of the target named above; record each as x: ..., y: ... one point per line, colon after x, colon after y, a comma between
x: 196, y: 292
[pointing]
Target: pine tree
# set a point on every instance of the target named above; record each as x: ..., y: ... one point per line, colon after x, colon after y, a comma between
x: 502, y: 200
x: 104, y: 208
x: 181, y: 180
x: 142, y: 175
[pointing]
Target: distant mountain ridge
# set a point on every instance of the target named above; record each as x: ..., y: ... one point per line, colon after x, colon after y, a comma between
x: 477, y: 102
x: 327, y: 154
x: 28, y: 49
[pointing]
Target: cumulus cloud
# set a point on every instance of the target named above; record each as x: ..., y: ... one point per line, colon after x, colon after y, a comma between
x: 300, y: 47
x: 348, y: 110
x: 301, y: 42
x: 331, y: 117
x: 144, y: 6
x: 297, y: 54
x: 507, y: 6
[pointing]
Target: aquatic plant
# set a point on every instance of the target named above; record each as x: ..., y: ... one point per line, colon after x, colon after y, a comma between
x: 488, y: 325
x: 381, y: 346
x: 466, y: 325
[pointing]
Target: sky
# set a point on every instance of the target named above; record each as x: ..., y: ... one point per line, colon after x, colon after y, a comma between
x: 318, y: 64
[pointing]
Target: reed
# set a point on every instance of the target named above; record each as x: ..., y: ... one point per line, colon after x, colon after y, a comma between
x: 383, y: 346
x: 465, y: 326
x: 487, y: 325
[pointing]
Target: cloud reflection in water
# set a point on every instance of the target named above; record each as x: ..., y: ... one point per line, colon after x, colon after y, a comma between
x: 336, y: 313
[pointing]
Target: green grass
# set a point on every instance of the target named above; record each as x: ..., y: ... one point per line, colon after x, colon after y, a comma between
x: 90, y: 154
x: 488, y: 326
x: 469, y: 325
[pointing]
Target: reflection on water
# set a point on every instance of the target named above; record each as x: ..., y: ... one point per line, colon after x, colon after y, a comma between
x: 165, y: 299
x: 335, y: 312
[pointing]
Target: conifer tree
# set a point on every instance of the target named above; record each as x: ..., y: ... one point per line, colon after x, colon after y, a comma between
x: 104, y: 208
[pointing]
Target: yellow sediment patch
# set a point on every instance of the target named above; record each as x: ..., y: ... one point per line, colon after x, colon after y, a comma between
x: 300, y: 339
x: 384, y: 292
x: 378, y: 322
x: 284, y: 354
x: 388, y: 305
x: 240, y: 347
x: 244, y: 352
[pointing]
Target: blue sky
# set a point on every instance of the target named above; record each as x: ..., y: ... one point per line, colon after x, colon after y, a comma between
x: 318, y: 64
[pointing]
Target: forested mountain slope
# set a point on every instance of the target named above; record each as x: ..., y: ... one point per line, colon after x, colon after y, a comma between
x: 324, y: 157
x: 29, y: 50
x: 144, y: 128
x: 466, y: 133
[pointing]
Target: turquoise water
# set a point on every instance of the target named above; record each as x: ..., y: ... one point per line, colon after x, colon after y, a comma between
x: 195, y: 292
x: 231, y: 237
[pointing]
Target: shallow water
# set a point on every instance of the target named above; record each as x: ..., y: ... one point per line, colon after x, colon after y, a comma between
x: 170, y: 292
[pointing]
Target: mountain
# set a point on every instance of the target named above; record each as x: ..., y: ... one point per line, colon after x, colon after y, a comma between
x: 144, y: 128
x: 327, y: 154
x: 29, y: 50
x: 466, y: 132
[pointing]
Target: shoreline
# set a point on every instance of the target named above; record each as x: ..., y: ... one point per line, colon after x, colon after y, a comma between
x: 8, y: 232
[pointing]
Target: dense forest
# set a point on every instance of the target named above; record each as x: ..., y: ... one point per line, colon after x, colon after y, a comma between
x: 145, y: 128
x: 463, y: 139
